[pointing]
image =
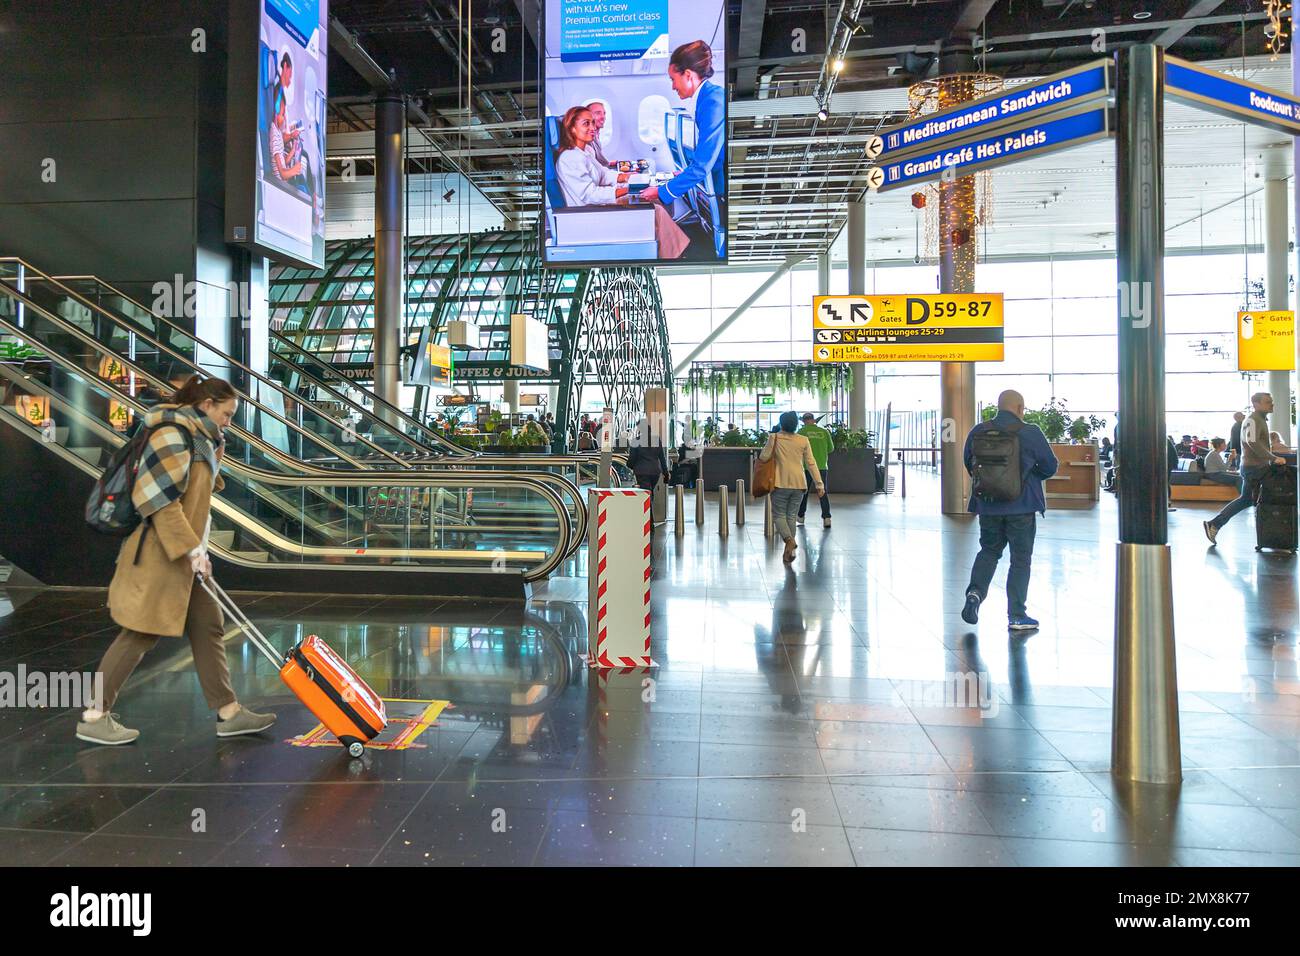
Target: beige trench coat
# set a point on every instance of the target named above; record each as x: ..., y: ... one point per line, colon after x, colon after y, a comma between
x: 153, y: 596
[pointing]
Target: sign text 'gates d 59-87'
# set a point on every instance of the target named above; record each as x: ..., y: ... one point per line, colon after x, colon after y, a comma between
x: 908, y: 328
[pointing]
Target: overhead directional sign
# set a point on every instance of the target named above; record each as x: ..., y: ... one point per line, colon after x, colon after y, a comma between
x: 908, y: 328
x: 1089, y: 83
x: 1266, y: 341
x: 1230, y: 96
x: 1007, y: 146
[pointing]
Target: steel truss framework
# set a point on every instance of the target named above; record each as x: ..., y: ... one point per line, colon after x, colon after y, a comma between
x: 607, y: 325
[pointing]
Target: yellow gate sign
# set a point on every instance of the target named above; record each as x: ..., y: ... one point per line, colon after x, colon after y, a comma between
x: 908, y: 328
x: 1265, y: 341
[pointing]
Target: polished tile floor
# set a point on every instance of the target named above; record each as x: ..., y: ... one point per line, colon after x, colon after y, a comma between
x: 820, y: 715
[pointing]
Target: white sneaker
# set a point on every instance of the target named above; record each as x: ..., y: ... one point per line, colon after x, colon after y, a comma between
x: 799, y: 522
x: 826, y: 522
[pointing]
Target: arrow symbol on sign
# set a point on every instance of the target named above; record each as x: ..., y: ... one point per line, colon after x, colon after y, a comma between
x: 861, y: 312
x: 823, y: 353
x: 874, y: 146
x: 875, y: 178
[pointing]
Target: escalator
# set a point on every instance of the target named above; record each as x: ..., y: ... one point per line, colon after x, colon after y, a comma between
x: 300, y: 378
x: 272, y: 430
x: 337, y: 428
x: 281, y: 523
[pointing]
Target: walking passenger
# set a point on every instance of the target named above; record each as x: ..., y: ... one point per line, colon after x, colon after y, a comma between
x: 153, y: 594
x: 793, y: 456
x: 1008, y: 459
x: 822, y: 445
x: 1256, y: 456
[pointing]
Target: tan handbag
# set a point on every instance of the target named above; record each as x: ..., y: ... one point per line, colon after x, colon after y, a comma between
x: 765, y: 474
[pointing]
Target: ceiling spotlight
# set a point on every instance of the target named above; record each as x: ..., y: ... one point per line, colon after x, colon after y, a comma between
x: 446, y: 197
x: 838, y: 65
x: 1142, y: 15
x: 823, y: 115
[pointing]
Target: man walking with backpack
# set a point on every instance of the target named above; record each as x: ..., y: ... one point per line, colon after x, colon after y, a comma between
x: 1008, y: 461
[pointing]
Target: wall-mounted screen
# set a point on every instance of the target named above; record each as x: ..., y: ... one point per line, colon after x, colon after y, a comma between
x: 275, y: 152
x: 635, y: 132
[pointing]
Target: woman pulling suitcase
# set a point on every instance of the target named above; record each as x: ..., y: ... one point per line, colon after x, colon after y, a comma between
x: 152, y: 595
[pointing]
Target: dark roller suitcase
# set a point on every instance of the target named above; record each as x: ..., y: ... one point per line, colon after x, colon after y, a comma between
x: 1275, y: 527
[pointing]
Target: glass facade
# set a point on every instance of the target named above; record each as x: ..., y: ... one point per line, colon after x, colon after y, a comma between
x: 1060, y: 332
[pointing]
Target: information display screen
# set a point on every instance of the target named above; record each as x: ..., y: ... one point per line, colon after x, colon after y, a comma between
x: 293, y: 55
x: 635, y: 132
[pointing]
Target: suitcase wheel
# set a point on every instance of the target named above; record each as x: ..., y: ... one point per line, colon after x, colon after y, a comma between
x: 355, y: 747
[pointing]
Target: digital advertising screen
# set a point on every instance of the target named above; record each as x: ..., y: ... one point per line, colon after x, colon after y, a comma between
x: 635, y: 132
x: 293, y: 53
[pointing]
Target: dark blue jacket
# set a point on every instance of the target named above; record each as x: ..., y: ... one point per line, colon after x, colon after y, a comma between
x: 1037, y: 464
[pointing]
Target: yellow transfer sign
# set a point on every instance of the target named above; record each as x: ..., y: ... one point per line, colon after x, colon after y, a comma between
x: 908, y: 328
x: 1266, y: 341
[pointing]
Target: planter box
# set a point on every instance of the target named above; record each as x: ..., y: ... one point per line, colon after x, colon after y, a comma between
x: 851, y: 471
x: 1078, y: 476
x: 724, y: 466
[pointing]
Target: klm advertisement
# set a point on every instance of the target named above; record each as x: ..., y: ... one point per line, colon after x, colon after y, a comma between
x: 635, y: 132
x: 291, y: 129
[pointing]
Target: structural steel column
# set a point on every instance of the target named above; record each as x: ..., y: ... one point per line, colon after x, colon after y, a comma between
x: 1277, y: 234
x: 1144, y: 716
x: 390, y: 287
x: 857, y: 227
x: 824, y: 273
x: 956, y: 275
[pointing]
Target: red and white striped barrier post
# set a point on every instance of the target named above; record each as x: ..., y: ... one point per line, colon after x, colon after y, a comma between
x: 618, y: 588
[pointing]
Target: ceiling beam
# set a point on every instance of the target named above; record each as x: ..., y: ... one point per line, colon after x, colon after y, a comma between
x: 528, y: 13
x: 1197, y: 8
x: 752, y: 15
x: 972, y: 16
x: 349, y: 47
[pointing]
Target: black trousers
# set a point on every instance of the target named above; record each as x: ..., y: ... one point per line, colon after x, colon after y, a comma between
x: 812, y: 488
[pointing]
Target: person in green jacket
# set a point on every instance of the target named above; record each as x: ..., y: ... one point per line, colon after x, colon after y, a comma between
x: 822, y: 445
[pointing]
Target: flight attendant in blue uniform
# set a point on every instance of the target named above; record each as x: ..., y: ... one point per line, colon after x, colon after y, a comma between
x: 688, y: 68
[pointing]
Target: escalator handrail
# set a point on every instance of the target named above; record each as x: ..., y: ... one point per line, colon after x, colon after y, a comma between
x: 255, y: 440
x: 276, y: 542
x: 131, y: 329
x: 572, y: 538
x: 436, y: 440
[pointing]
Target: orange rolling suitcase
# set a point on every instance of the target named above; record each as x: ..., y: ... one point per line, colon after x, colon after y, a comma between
x: 320, y: 678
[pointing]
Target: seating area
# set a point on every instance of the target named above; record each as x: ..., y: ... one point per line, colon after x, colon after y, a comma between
x: 1187, y: 482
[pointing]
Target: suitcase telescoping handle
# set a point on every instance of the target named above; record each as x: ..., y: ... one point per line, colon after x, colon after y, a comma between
x: 255, y: 636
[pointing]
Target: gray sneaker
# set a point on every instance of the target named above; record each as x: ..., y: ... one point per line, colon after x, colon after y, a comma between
x: 244, y: 722
x: 105, y: 731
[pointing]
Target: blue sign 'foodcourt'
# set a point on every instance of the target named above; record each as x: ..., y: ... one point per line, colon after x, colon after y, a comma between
x: 1226, y: 94
x: 1070, y: 88
x: 1021, y: 142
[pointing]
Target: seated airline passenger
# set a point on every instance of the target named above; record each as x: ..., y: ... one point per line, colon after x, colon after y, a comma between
x: 585, y: 182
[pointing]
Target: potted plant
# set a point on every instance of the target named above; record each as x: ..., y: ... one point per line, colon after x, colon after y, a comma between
x: 852, y: 463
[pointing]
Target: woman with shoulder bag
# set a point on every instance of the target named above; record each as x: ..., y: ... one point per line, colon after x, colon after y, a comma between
x: 793, y: 455
x: 153, y: 594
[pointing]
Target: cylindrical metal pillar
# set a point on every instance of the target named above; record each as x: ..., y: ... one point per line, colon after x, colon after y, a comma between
x: 699, y: 502
x: 1277, y: 234
x: 679, y: 510
x: 740, y: 502
x: 1144, y: 715
x: 724, y: 524
x: 857, y: 230
x: 390, y: 284
x: 956, y: 275
x: 510, y: 394
x: 824, y: 273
